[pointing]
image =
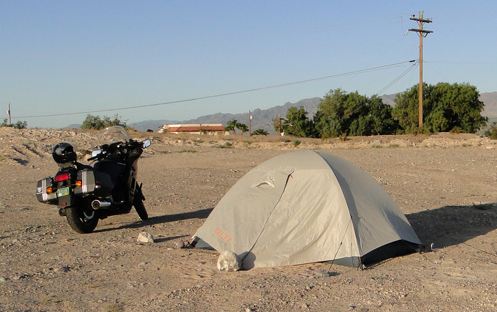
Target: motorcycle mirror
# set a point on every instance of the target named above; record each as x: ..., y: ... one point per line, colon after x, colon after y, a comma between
x: 146, y: 143
x: 96, y: 153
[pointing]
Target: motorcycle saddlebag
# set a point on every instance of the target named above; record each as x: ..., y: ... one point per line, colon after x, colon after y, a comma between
x: 41, y: 191
x: 94, y: 183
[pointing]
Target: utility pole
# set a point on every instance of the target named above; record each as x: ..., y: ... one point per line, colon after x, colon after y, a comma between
x: 250, y: 124
x: 10, y: 117
x: 279, y: 125
x: 422, y: 33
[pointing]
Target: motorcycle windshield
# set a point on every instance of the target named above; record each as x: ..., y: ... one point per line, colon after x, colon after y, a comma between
x: 113, y: 134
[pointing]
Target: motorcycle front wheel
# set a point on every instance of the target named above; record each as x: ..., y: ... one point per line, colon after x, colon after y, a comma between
x: 82, y: 218
x: 140, y: 207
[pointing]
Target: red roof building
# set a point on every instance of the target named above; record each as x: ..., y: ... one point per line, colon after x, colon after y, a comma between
x: 210, y: 129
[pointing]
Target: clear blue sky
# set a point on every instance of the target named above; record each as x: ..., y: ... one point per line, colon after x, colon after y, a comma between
x: 59, y: 57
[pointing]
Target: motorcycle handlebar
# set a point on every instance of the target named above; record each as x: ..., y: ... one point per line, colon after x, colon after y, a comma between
x: 93, y: 158
x: 107, y: 149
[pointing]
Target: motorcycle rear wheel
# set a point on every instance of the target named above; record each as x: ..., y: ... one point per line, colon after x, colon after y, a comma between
x: 82, y: 219
x: 140, y: 207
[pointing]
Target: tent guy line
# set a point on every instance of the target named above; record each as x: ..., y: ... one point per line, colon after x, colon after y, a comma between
x: 341, y: 243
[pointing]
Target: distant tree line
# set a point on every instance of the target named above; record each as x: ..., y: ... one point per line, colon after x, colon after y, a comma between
x: 17, y: 125
x: 446, y: 107
x: 97, y: 123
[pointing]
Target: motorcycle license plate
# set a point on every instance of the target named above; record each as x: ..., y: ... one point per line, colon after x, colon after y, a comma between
x: 63, y: 192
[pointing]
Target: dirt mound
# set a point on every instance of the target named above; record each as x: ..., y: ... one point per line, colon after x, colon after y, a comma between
x: 24, y: 146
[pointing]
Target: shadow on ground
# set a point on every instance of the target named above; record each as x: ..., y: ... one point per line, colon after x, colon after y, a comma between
x: 445, y: 226
x: 453, y: 225
x: 198, y: 214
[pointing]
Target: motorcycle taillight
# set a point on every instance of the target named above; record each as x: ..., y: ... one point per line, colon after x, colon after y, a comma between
x: 62, y: 177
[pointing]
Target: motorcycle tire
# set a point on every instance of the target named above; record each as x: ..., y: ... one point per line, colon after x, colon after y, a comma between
x: 140, y: 207
x: 82, y: 219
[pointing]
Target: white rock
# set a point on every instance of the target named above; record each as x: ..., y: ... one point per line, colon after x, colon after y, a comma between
x: 228, y: 261
x: 145, y: 237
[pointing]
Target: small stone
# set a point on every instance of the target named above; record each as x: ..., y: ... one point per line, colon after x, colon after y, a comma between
x: 322, y: 274
x: 21, y: 276
x: 62, y: 269
x: 145, y: 237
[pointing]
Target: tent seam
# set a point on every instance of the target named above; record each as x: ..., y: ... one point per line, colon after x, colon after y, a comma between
x: 267, y: 220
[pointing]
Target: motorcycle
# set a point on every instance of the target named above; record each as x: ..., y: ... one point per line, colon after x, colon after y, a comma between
x: 86, y: 193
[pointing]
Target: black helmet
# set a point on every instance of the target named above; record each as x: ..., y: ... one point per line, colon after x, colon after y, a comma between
x: 63, y: 152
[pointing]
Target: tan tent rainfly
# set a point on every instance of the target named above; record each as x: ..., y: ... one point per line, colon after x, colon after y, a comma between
x: 304, y: 207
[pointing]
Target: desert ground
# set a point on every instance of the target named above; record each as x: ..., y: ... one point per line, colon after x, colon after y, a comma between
x: 446, y: 184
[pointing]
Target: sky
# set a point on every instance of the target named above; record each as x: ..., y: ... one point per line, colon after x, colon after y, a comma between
x: 179, y: 60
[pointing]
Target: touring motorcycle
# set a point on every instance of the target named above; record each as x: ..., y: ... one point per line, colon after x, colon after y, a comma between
x: 86, y: 193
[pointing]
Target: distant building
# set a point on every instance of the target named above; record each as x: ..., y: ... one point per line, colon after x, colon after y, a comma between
x: 209, y: 129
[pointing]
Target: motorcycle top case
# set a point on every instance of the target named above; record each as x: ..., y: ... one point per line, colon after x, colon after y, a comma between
x: 94, y: 183
x: 41, y: 191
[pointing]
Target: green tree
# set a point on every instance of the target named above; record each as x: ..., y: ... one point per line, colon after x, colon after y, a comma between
x: 231, y: 126
x: 445, y: 107
x: 297, y: 124
x: 17, y: 125
x: 382, y: 121
x: 492, y: 131
x: 406, y: 109
x: 97, y: 123
x: 260, y: 132
x: 93, y: 122
x: 361, y: 125
x: 21, y: 125
x: 242, y: 127
x: 114, y: 121
x: 340, y: 113
x: 455, y: 106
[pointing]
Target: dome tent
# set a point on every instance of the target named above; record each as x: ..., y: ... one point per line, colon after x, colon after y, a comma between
x: 304, y: 207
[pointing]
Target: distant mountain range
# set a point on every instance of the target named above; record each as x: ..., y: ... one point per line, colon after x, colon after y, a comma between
x: 262, y: 119
x: 490, y: 100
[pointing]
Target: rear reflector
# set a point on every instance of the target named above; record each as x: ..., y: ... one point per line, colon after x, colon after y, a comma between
x: 62, y: 177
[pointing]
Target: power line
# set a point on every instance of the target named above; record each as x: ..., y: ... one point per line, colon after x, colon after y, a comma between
x: 454, y: 62
x: 226, y: 94
x: 398, y: 78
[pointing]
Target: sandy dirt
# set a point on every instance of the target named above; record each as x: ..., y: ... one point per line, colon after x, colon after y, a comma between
x: 445, y: 184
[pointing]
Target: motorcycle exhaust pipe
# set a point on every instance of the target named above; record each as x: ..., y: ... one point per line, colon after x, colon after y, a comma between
x: 97, y: 204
